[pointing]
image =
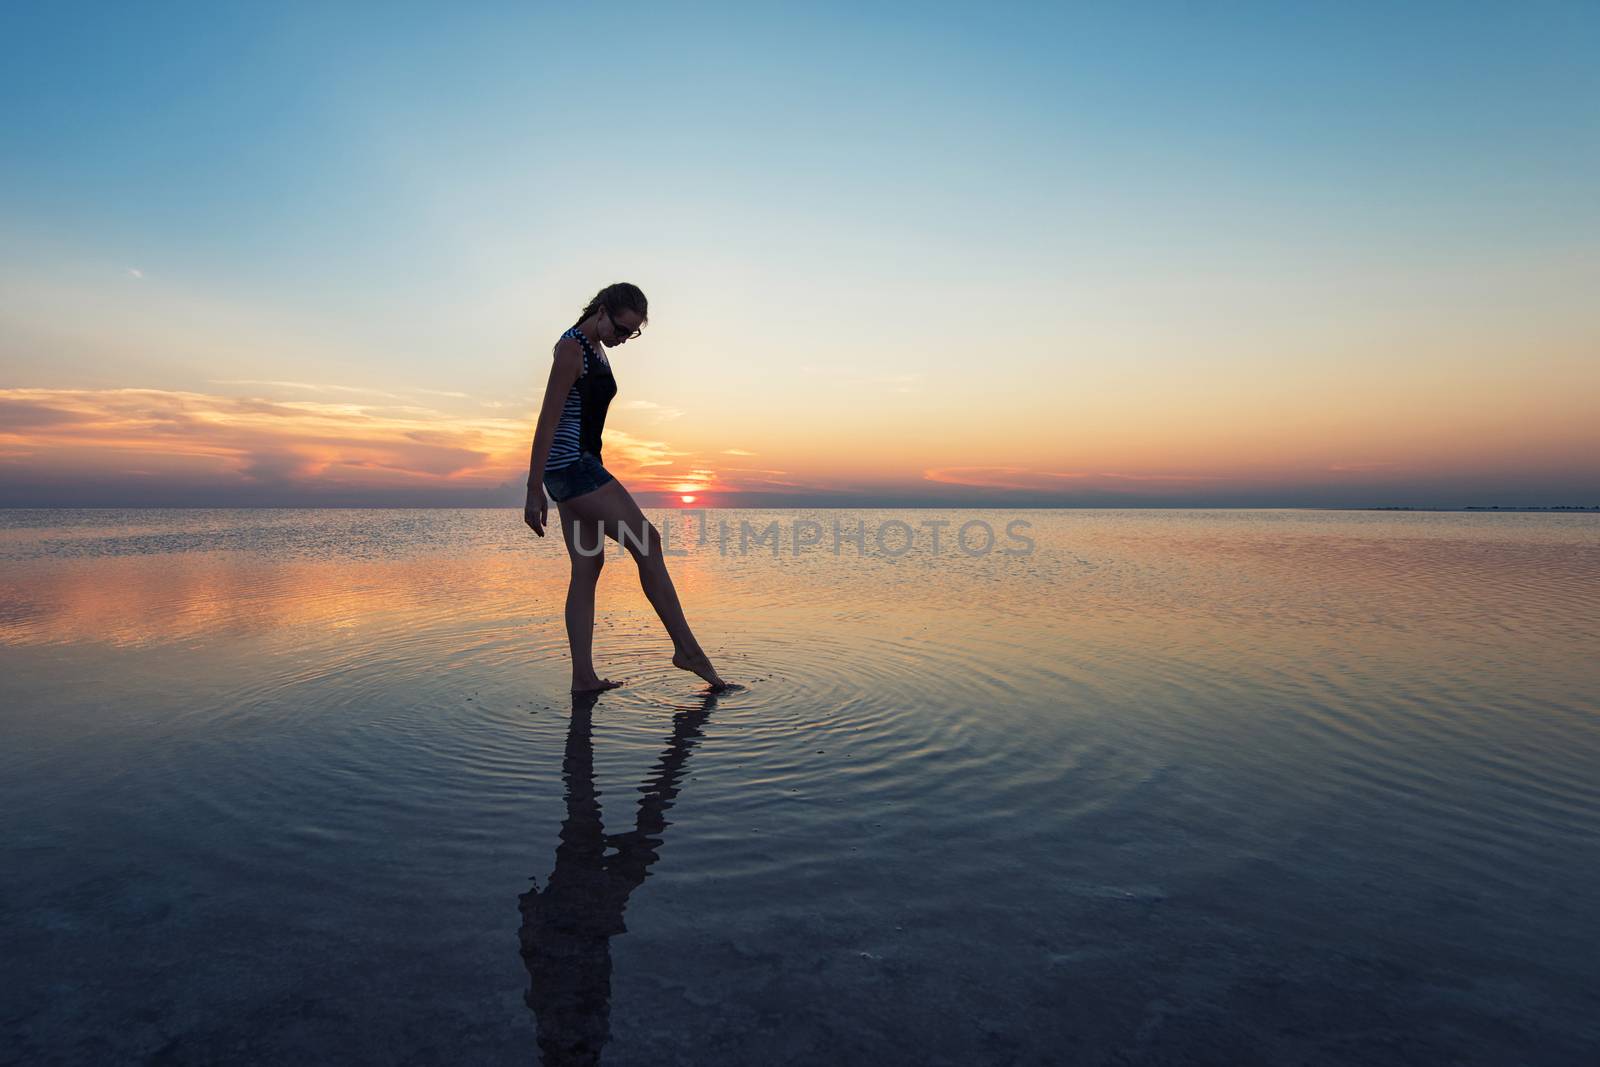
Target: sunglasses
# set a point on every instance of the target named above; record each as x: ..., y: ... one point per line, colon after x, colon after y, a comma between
x: 618, y: 329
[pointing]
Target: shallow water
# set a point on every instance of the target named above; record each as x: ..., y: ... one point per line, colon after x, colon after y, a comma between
x: 1232, y: 787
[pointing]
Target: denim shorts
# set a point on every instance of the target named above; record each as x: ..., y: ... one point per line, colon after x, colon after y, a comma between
x: 583, y: 475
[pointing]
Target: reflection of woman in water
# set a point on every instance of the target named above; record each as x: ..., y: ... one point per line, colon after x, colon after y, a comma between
x: 567, y: 928
x: 594, y: 505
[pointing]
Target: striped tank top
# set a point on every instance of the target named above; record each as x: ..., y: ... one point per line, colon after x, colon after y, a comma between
x: 583, y: 415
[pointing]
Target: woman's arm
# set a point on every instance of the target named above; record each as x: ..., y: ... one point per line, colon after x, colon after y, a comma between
x: 564, y: 370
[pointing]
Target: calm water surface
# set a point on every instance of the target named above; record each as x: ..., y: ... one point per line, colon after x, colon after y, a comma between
x: 1213, y: 787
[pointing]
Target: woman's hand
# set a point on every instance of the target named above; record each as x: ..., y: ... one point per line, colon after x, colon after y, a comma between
x: 534, y: 514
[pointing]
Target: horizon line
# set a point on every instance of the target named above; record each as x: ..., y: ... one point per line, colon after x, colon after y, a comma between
x: 823, y: 507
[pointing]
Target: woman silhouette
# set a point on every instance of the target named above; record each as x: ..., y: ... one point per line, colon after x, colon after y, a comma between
x: 566, y: 462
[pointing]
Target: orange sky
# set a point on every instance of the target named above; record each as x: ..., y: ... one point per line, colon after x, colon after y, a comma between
x: 348, y: 447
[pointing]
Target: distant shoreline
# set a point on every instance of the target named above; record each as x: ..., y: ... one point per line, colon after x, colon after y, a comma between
x: 1477, y: 507
x: 1557, y: 509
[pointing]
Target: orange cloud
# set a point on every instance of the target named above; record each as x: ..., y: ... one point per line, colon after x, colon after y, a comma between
x: 280, y: 442
x: 263, y: 441
x: 1026, y: 478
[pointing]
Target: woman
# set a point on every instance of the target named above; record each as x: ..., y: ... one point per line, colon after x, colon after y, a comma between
x: 593, y: 504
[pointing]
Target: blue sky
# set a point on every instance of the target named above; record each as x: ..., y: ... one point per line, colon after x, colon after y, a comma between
x: 1105, y: 197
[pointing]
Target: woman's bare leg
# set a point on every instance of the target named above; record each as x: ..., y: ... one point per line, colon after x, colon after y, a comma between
x: 613, y: 508
x: 580, y: 601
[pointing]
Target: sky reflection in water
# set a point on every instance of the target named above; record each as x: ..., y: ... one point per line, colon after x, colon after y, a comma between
x: 1272, y: 786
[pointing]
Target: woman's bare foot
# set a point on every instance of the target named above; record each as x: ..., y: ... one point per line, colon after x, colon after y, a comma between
x: 593, y: 685
x: 697, y: 662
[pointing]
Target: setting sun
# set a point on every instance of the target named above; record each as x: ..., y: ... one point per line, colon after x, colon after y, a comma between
x: 687, y: 499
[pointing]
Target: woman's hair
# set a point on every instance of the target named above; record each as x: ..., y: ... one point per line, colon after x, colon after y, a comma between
x: 618, y: 296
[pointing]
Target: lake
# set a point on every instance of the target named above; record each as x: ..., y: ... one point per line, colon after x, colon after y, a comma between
x: 1084, y: 787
